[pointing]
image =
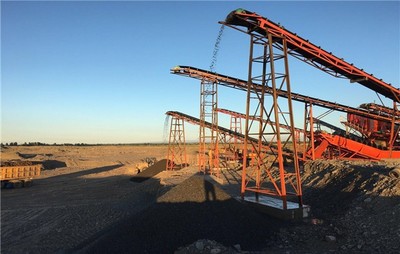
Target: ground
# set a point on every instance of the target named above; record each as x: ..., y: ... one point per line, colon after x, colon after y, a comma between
x: 85, y: 202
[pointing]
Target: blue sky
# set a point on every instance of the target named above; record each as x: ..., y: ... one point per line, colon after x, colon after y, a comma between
x: 99, y: 72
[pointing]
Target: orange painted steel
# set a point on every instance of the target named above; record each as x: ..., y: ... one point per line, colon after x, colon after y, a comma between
x: 197, y: 121
x: 271, y: 174
x: 341, y: 147
x: 380, y: 109
x: 239, y: 84
x: 177, y: 157
x: 309, y: 101
x: 208, y: 137
x: 243, y: 116
x: 317, y: 57
x: 218, y: 129
x: 277, y: 43
x: 221, y: 130
x: 235, y: 114
x: 321, y: 59
x: 308, y: 52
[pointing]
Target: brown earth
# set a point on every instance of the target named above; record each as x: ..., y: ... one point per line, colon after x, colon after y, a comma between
x: 89, y: 205
x: 82, y: 192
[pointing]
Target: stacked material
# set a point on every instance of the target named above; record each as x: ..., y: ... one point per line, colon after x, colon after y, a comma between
x: 195, y: 209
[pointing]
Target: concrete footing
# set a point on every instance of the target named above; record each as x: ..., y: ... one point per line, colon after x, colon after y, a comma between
x: 274, y: 207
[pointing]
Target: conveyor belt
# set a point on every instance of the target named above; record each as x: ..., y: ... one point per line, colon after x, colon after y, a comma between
x: 242, y: 85
x: 243, y: 116
x: 196, y: 121
x: 381, y: 110
x: 220, y: 129
x: 308, y: 52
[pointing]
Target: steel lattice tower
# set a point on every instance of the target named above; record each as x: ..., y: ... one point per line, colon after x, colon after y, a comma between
x: 270, y: 173
x: 177, y: 157
x: 208, y: 137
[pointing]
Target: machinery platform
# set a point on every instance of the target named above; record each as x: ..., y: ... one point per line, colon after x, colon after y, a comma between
x: 274, y: 207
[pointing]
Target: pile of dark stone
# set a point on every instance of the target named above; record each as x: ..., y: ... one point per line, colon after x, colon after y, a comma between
x: 195, y: 209
x: 206, y: 246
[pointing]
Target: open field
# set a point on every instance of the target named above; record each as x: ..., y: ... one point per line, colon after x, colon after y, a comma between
x: 84, y: 202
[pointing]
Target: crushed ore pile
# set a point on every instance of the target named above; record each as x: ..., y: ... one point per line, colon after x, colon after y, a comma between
x: 195, y: 209
x: 356, y: 204
x: 355, y: 208
x: 206, y: 246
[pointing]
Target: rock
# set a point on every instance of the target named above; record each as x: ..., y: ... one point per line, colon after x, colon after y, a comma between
x: 215, y: 251
x: 338, y: 231
x: 330, y: 238
x: 367, y: 200
x: 237, y: 247
x: 199, y: 245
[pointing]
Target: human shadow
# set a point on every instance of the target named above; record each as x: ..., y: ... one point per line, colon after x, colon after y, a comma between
x: 209, y: 191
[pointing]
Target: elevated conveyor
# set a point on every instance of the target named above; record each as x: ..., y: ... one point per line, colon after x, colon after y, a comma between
x: 308, y: 52
x: 243, y: 116
x: 196, y: 121
x: 240, y: 84
x: 220, y: 129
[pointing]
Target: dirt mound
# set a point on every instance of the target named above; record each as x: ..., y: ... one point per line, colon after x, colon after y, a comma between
x: 151, y: 171
x: 195, y: 209
x: 14, y: 163
x: 355, y: 208
x: 53, y: 164
x: 27, y: 155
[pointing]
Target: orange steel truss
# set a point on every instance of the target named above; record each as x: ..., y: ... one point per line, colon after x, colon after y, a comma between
x: 269, y: 175
x: 309, y: 53
x: 237, y: 115
x: 241, y: 85
x: 310, y: 102
x: 224, y: 133
x: 208, y: 137
x: 236, y: 126
x: 269, y: 37
x: 177, y: 157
